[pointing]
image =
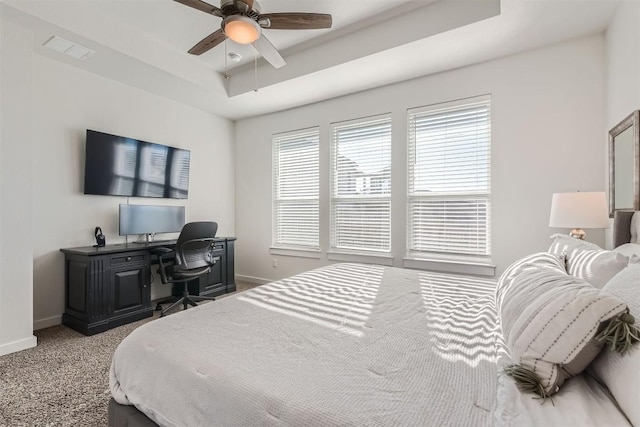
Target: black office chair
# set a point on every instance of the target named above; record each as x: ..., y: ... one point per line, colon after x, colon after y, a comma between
x: 193, y: 256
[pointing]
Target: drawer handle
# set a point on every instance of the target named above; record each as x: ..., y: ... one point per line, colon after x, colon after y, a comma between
x: 128, y: 258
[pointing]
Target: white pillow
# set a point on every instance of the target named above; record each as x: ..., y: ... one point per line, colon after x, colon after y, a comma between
x: 563, y: 244
x: 621, y: 372
x: 588, y: 261
x: 628, y: 249
x: 550, y: 321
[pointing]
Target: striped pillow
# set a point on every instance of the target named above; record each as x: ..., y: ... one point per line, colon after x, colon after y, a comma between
x: 588, y: 261
x: 552, y: 321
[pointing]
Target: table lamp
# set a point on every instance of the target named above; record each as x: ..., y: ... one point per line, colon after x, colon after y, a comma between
x: 579, y: 210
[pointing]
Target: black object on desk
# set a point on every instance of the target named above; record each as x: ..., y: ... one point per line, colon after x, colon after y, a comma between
x: 101, y: 241
x: 109, y: 286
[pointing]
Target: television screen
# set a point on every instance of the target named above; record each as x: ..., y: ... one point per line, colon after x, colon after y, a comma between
x: 142, y: 219
x: 120, y: 166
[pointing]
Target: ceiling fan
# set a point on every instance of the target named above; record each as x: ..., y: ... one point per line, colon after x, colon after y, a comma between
x: 242, y: 22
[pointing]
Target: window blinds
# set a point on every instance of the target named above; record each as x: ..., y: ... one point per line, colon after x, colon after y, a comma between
x: 295, y: 189
x: 180, y: 170
x: 361, y: 184
x: 449, y: 178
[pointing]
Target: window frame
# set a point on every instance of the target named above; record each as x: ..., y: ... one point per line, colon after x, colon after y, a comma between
x: 475, y: 262
x: 342, y: 253
x: 279, y: 247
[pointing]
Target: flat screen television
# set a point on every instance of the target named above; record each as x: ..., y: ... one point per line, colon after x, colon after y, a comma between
x: 120, y: 166
x: 144, y: 219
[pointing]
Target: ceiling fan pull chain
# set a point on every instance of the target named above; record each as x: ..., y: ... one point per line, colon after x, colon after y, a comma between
x: 226, y: 56
x: 255, y: 67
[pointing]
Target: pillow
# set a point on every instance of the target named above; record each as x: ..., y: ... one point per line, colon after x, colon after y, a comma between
x: 554, y: 324
x: 628, y: 249
x: 621, y: 373
x: 564, y: 244
x: 588, y: 261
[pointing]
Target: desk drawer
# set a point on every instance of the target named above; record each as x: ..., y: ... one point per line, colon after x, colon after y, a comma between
x: 119, y: 260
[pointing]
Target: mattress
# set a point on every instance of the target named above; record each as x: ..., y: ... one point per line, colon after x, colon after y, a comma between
x: 346, y: 344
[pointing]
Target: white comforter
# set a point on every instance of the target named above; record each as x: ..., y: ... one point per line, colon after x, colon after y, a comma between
x: 347, y: 344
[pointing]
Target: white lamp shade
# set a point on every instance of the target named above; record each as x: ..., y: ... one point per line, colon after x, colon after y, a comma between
x: 579, y: 210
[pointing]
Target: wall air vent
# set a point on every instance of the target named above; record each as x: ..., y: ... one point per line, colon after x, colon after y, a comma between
x: 71, y: 49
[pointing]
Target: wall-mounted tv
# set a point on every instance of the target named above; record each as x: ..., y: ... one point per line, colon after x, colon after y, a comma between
x: 120, y: 166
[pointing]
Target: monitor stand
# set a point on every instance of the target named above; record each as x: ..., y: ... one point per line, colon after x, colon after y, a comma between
x: 147, y: 239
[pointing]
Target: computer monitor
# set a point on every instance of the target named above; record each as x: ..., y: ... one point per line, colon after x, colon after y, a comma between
x: 144, y: 219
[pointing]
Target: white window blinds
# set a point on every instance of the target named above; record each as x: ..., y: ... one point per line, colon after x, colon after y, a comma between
x: 295, y: 189
x: 449, y: 178
x: 361, y: 184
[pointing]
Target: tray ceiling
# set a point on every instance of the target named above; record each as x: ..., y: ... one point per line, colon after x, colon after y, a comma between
x: 144, y: 43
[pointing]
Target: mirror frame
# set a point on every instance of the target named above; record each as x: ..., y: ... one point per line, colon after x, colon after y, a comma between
x: 631, y: 121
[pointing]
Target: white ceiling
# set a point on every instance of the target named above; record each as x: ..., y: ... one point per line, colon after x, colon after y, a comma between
x: 143, y: 43
x: 180, y: 27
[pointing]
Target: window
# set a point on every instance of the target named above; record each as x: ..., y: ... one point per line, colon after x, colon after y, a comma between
x: 361, y: 185
x: 295, y: 189
x: 449, y: 179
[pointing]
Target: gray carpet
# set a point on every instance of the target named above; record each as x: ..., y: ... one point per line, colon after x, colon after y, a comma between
x: 64, y: 381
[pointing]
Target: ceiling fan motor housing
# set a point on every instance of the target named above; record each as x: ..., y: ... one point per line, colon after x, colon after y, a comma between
x: 235, y: 7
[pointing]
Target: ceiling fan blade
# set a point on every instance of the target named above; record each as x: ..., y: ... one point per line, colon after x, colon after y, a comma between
x: 269, y: 52
x: 202, y: 6
x: 211, y: 41
x: 295, y: 21
x: 243, y: 5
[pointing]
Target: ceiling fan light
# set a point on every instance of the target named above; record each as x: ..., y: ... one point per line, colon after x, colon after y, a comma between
x: 241, y: 29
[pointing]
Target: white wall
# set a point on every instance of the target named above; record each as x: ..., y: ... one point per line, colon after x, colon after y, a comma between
x: 46, y: 108
x: 67, y: 101
x: 16, y: 183
x: 623, y: 63
x: 547, y: 126
x: 622, y: 43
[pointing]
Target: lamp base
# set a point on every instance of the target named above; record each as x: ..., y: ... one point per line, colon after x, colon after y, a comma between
x: 578, y: 233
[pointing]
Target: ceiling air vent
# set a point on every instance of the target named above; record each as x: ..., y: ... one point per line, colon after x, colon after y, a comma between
x: 68, y: 48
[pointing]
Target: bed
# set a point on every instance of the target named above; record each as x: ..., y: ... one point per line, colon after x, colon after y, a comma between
x: 364, y: 345
x: 601, y: 395
x: 347, y: 344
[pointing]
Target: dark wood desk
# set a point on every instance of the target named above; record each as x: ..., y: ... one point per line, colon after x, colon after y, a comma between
x: 111, y: 286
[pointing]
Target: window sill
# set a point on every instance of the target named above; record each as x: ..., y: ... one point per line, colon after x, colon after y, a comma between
x: 381, y: 259
x: 451, y: 266
x: 296, y: 252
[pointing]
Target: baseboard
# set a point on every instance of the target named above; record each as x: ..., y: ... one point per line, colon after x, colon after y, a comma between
x: 23, y: 344
x: 251, y: 279
x: 45, y: 323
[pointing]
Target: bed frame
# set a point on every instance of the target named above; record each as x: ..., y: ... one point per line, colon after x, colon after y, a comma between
x: 127, y: 416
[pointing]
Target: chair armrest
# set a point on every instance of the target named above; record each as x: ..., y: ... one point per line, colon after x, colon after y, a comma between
x: 165, y: 258
x: 163, y: 254
x: 161, y: 250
